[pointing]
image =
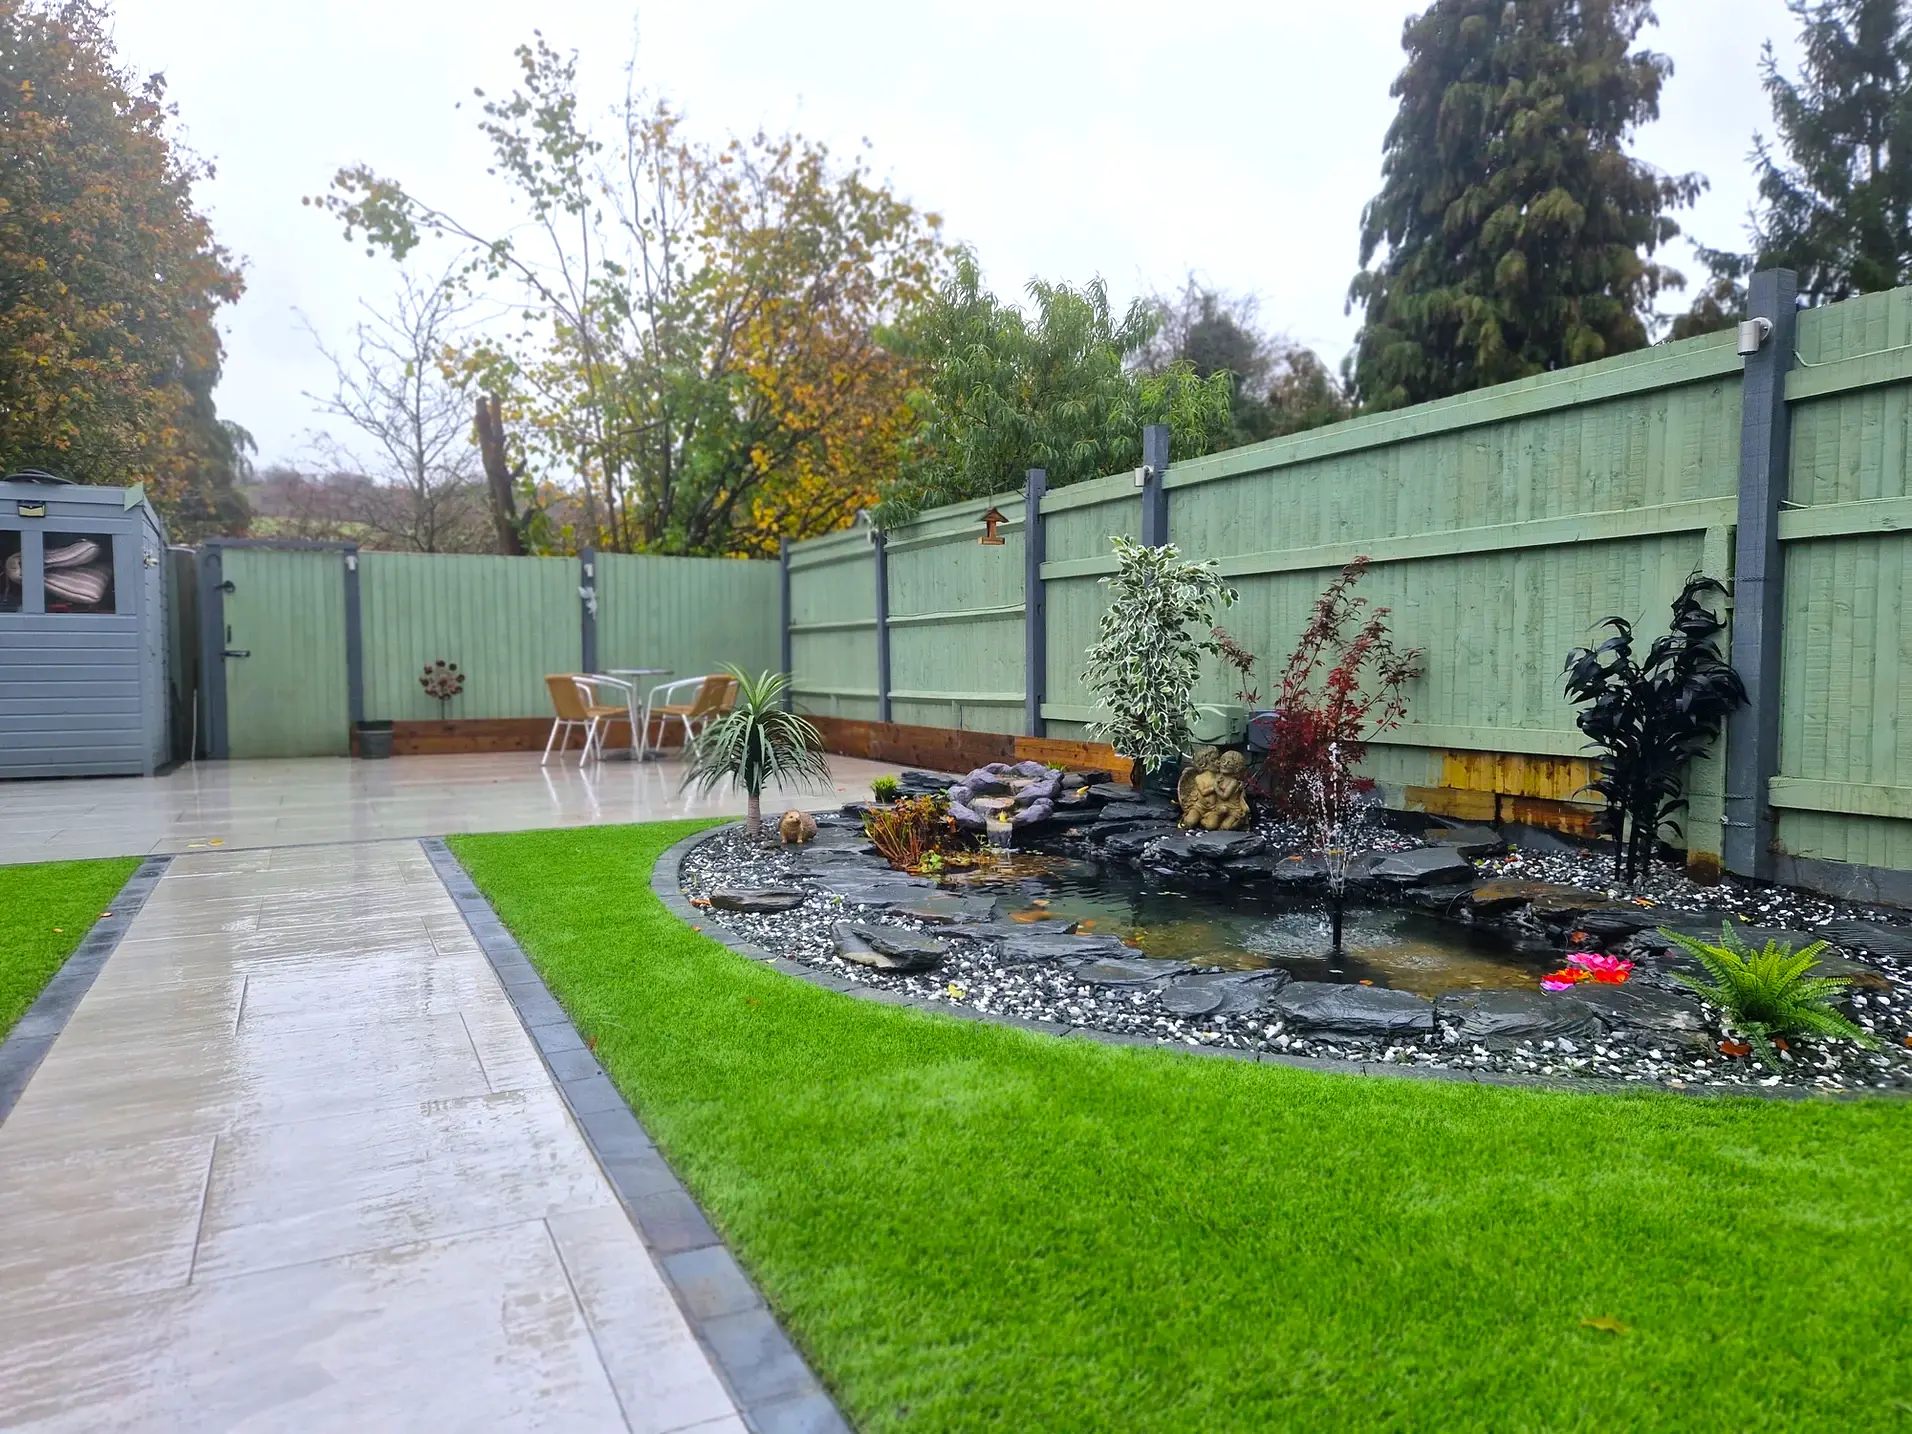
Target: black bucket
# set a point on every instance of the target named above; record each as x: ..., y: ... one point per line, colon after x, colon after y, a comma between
x: 374, y: 740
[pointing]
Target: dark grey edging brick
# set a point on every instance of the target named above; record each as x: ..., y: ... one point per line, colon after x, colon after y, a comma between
x: 667, y: 886
x: 26, y: 1044
x: 774, y: 1388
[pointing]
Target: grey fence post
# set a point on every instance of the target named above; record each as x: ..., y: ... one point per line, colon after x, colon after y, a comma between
x: 783, y: 624
x: 1154, y: 494
x: 212, y: 648
x: 1035, y: 665
x: 882, y: 566
x: 588, y: 608
x: 1752, y: 735
x: 354, y: 642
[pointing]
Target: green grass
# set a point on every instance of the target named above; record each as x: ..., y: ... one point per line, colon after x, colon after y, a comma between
x: 45, y: 911
x: 968, y: 1227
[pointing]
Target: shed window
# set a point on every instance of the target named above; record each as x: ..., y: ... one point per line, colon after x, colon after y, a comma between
x: 12, y: 588
x: 79, y: 572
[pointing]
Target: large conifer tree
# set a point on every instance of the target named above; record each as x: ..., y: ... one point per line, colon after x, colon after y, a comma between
x: 1835, y: 196
x: 1513, y: 228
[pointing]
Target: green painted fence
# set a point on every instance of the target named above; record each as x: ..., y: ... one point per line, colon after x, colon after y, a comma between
x: 506, y: 622
x: 332, y: 633
x: 1502, y: 526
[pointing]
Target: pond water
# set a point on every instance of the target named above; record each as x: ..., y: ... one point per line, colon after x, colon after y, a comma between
x: 1394, y: 946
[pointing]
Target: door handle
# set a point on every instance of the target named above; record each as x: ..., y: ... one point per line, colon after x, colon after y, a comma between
x: 237, y: 652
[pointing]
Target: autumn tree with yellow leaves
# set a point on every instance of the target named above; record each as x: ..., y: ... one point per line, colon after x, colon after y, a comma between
x: 699, y: 354
x: 109, y: 278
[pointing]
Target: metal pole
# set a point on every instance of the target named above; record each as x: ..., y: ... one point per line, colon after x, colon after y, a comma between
x: 783, y: 563
x: 1752, y: 734
x: 1035, y: 640
x: 1154, y: 494
x: 588, y: 609
x: 882, y: 625
x: 354, y: 642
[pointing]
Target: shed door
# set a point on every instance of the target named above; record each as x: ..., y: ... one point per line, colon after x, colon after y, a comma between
x: 286, y: 696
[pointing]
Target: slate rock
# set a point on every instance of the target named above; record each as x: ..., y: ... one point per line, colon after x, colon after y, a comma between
x: 1016, y: 944
x: 1426, y: 866
x: 984, y: 783
x: 1353, y: 1010
x: 861, y: 891
x: 1507, y: 1017
x: 1222, y: 846
x: 1226, y: 993
x: 922, y: 784
x: 1081, y: 814
x: 1468, y: 841
x: 757, y: 900
x: 1130, y: 841
x: 1036, y: 812
x: 1492, y: 896
x: 1112, y: 792
x: 1638, y: 1006
x: 1566, y: 903
x: 1299, y: 868
x: 1138, y: 812
x: 1613, y: 922
x: 1862, y: 976
x: 940, y: 908
x: 888, y: 948
x: 1129, y: 971
x: 1878, y: 937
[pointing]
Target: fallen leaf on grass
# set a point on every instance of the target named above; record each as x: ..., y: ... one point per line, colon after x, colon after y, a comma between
x: 59, y: 931
x: 1607, y: 1323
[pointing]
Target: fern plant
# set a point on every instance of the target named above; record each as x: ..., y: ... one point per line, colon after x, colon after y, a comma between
x: 755, y: 743
x: 1768, y: 993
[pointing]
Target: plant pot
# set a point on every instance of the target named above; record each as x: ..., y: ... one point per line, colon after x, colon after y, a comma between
x: 1219, y: 724
x: 374, y: 740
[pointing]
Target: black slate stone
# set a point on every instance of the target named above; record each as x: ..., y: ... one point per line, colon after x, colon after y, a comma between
x: 1610, y: 923
x: 1353, y: 1010
x: 1641, y: 1007
x: 1227, y: 993
x: 1506, y: 1017
x: 1130, y: 841
x: 1138, y: 812
x: 1112, y: 792
x: 1877, y: 937
x: 888, y: 948
x: 1468, y: 841
x: 938, y: 908
x: 1129, y: 971
x: 1427, y: 866
x: 922, y: 784
x: 863, y: 891
x: 758, y: 900
x: 1018, y: 945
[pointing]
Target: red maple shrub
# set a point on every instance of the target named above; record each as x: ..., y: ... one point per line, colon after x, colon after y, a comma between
x: 1342, y: 686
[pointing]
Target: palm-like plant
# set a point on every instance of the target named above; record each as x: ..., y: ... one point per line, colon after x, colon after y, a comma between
x: 757, y: 742
x: 1768, y: 993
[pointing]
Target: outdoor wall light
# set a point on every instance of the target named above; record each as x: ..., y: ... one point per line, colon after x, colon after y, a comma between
x: 991, y: 538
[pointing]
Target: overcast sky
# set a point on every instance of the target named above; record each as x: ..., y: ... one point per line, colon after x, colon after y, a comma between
x: 1135, y: 141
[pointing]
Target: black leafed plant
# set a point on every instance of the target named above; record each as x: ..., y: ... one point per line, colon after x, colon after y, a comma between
x: 1647, y: 719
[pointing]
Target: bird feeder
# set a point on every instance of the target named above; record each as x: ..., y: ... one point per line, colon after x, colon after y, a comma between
x: 991, y: 538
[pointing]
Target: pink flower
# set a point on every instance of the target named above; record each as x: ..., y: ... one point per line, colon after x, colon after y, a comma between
x: 1563, y: 979
x: 1608, y: 970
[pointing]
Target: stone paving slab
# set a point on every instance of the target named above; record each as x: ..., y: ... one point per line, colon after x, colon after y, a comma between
x: 295, y: 1162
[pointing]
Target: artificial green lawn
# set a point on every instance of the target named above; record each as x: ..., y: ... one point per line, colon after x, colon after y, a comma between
x: 45, y: 911
x: 969, y: 1227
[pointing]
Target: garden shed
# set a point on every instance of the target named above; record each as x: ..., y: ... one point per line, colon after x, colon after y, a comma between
x: 83, y: 652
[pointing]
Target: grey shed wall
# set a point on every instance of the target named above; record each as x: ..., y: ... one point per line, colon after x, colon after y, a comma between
x: 83, y: 693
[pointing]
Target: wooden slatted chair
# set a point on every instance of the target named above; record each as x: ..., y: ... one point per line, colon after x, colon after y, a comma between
x: 568, y: 703
x: 716, y: 695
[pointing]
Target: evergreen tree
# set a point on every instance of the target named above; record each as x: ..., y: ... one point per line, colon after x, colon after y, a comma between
x: 1835, y: 199
x: 1512, y: 223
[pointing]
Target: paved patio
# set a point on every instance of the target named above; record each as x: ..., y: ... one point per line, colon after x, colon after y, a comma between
x: 294, y: 1164
x: 212, y: 806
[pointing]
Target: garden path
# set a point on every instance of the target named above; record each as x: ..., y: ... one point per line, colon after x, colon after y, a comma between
x: 294, y: 1163
x: 211, y: 806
